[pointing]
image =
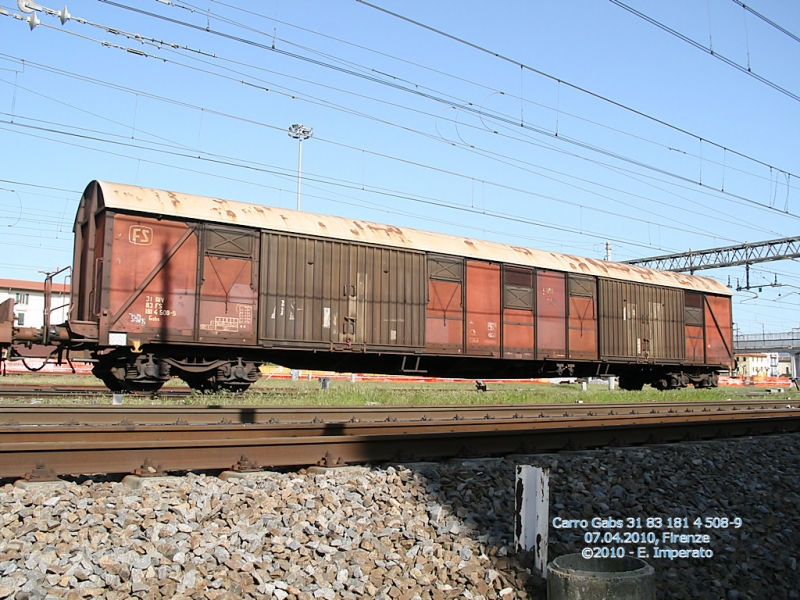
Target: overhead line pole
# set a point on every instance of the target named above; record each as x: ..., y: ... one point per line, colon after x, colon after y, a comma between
x: 727, y: 256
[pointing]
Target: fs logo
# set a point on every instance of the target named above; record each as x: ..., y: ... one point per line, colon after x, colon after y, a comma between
x: 140, y: 235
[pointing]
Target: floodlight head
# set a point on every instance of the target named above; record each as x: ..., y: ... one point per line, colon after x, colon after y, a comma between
x: 300, y: 132
x: 33, y: 21
x: 64, y: 15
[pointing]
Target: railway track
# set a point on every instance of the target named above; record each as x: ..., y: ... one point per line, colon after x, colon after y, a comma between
x: 57, y: 415
x: 36, y: 448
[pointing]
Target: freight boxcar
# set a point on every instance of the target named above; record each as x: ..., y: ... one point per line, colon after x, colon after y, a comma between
x: 168, y: 284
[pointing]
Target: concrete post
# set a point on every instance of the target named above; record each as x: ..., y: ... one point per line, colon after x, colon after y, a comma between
x: 532, y: 510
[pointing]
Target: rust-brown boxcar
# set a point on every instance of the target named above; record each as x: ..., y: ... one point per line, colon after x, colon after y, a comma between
x: 168, y: 284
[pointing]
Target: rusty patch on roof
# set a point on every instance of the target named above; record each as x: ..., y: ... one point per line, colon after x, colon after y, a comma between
x: 321, y: 225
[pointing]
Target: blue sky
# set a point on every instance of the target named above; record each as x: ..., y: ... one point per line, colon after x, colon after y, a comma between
x: 613, y: 130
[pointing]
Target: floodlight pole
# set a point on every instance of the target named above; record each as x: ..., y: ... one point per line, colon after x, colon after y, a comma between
x: 300, y: 133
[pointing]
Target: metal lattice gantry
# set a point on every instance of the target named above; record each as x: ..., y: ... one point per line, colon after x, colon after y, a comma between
x: 788, y: 341
x: 728, y: 256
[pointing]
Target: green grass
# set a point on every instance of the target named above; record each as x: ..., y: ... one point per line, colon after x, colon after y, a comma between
x: 284, y: 392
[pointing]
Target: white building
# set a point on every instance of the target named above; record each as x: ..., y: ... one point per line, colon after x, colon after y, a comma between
x: 28, y: 299
x: 761, y: 364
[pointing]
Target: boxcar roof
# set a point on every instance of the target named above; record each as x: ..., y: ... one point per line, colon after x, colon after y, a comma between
x: 130, y: 198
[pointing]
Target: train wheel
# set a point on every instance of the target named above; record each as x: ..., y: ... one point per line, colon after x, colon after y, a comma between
x: 671, y: 381
x: 710, y: 380
x: 109, y: 379
x: 210, y: 385
x: 234, y: 377
x: 142, y: 374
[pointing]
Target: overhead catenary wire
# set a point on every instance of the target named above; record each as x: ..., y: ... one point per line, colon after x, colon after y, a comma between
x: 359, y: 186
x: 557, y: 110
x: 566, y: 83
x: 494, y: 156
x: 708, y: 50
x: 466, y: 107
x: 766, y: 20
x: 650, y: 245
x: 129, y: 50
x: 173, y: 46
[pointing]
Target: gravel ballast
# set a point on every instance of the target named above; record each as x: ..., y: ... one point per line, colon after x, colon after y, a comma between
x: 422, y: 531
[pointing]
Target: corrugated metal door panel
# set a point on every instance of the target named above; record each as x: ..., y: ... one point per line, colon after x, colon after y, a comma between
x: 311, y: 303
x: 278, y: 312
x: 321, y: 290
x: 153, y: 283
x: 266, y: 326
x: 405, y: 303
x: 315, y: 310
x: 393, y: 328
x: 483, y: 308
x: 551, y: 315
x: 719, y: 330
x: 640, y: 321
x: 383, y: 288
x: 291, y: 293
x: 374, y: 297
x: 674, y: 325
x: 414, y: 294
x: 329, y: 308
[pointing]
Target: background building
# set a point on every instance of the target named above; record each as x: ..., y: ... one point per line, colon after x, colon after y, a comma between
x: 763, y: 364
x: 28, y: 299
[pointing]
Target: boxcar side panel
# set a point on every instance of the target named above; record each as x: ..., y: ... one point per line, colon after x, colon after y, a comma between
x: 719, y: 329
x: 582, y: 318
x: 483, y: 308
x: 317, y: 290
x: 551, y: 315
x: 695, y: 330
x: 444, y: 314
x: 518, y: 315
x: 152, y: 278
x: 641, y: 322
x: 229, y: 285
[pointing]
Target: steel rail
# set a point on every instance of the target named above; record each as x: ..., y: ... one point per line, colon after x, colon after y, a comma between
x: 51, y: 390
x: 126, y: 451
x: 176, y: 432
x: 247, y: 414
